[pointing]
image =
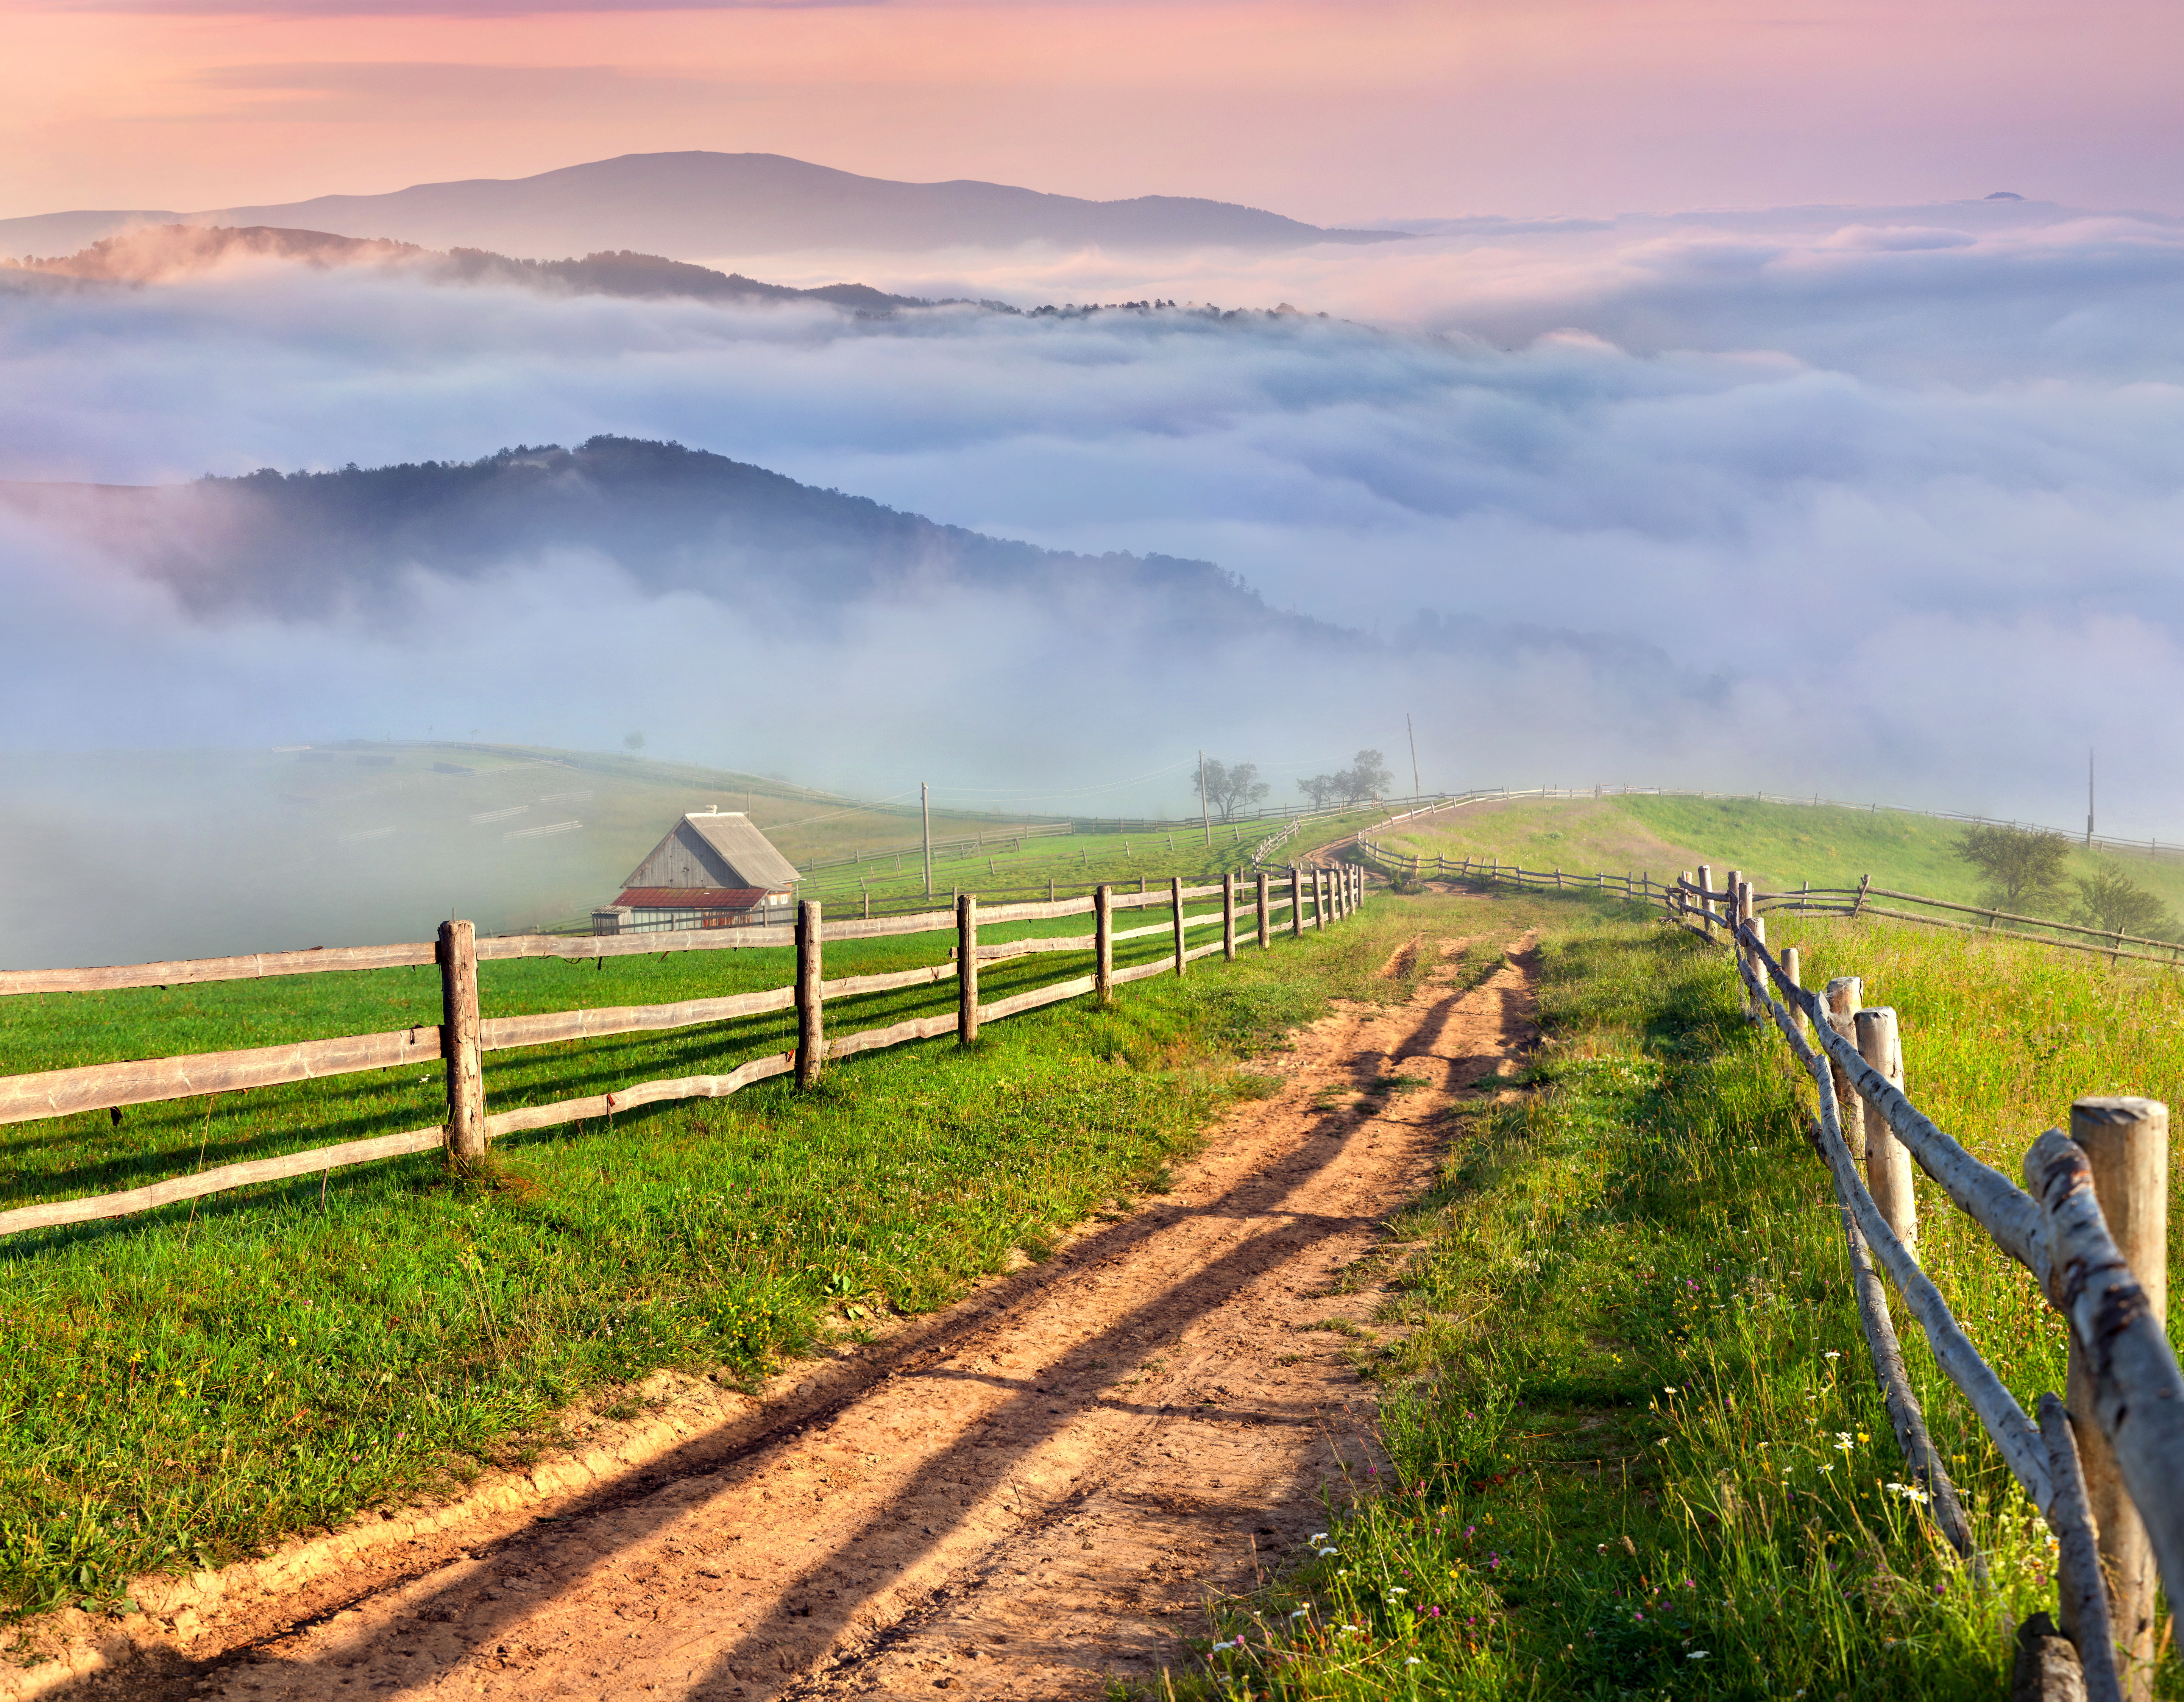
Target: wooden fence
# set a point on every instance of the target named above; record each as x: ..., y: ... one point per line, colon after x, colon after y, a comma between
x: 2104, y: 1467
x: 1316, y: 897
x: 1862, y: 900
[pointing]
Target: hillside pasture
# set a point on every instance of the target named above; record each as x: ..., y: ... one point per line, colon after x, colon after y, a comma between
x: 1776, y: 846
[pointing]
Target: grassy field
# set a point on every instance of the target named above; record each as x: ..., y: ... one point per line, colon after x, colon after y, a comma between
x: 1019, y: 869
x: 269, y: 850
x: 230, y: 851
x: 182, y: 1386
x: 1777, y: 844
x: 1637, y: 1443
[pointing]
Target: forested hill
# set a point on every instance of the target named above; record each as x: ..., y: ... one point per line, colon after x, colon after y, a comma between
x: 673, y: 519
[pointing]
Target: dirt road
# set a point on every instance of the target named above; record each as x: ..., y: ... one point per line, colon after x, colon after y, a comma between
x: 1022, y: 1497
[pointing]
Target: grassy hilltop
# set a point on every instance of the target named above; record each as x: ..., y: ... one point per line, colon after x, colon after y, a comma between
x: 1777, y: 846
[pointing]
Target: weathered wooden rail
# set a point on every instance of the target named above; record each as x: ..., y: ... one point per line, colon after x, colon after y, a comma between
x: 1314, y: 897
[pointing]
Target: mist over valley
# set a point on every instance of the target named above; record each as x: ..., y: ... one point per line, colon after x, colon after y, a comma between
x: 1834, y: 499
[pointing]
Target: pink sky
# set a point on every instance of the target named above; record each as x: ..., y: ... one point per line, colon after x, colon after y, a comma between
x: 1362, y: 110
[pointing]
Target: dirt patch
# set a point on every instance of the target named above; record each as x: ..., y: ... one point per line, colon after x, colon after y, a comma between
x: 1022, y: 1497
x: 1405, y: 958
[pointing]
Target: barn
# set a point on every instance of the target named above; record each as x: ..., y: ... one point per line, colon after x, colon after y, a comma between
x: 713, y: 869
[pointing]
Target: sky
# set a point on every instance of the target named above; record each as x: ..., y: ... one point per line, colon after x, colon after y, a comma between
x: 1359, y: 110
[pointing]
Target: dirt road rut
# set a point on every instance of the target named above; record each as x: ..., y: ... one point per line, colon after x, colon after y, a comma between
x: 1022, y: 1498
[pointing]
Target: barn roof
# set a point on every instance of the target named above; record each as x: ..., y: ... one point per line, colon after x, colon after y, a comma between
x: 714, y: 849
x: 693, y: 897
x: 747, y: 851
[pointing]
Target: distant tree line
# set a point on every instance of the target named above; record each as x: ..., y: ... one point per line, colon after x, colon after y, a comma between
x: 1367, y: 776
x: 1233, y: 789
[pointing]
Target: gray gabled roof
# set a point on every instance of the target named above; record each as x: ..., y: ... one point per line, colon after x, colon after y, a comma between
x: 748, y: 854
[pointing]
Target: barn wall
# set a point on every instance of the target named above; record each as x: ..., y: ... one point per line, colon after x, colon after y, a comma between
x: 683, y: 859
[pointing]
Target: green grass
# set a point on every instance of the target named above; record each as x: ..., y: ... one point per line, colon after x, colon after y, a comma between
x: 1778, y: 846
x: 1637, y: 1447
x: 1074, y: 861
x: 184, y: 1386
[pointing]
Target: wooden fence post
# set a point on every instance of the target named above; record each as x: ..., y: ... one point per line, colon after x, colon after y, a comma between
x: 1103, y: 942
x: 1705, y: 904
x: 1296, y: 902
x: 459, y: 1041
x: 1175, y: 898
x: 2125, y: 1141
x: 1741, y: 913
x: 1228, y: 918
x: 1887, y: 1159
x: 811, y: 1031
x: 1790, y: 968
x: 1843, y: 996
x: 1266, y: 922
x: 1753, y: 1010
x: 966, y: 968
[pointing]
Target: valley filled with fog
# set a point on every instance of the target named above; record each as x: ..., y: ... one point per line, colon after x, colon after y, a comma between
x: 1883, y: 504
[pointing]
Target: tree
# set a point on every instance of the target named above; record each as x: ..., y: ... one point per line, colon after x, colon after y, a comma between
x: 2023, y: 866
x: 1320, y: 788
x: 1367, y: 777
x: 634, y: 742
x: 1230, y: 789
x: 2111, y: 901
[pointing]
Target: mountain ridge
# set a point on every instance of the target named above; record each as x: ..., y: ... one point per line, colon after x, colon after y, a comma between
x: 156, y: 252
x: 703, y: 205
x: 673, y: 519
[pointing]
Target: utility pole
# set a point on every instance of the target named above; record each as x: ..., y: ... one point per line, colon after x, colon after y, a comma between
x: 1418, y: 791
x: 1205, y: 815
x: 2089, y: 797
x: 924, y: 809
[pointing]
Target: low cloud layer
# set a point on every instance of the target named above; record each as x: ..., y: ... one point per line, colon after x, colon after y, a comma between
x: 1883, y: 504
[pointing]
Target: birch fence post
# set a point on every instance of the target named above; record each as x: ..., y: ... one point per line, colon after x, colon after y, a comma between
x: 1887, y: 1160
x: 810, y: 1034
x: 459, y: 1041
x: 2125, y: 1141
x: 1752, y: 1010
x: 966, y: 968
x: 1843, y: 995
x: 1228, y: 918
x: 1103, y: 942
x: 1175, y: 898
x: 1265, y: 935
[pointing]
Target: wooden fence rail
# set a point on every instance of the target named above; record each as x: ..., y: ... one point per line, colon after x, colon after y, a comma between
x: 462, y: 1035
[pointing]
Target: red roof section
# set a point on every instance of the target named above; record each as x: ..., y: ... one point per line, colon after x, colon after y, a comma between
x: 693, y: 897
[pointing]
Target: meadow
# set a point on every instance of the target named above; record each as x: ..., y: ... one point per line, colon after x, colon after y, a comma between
x: 187, y: 1386
x: 1777, y: 846
x: 1637, y: 1445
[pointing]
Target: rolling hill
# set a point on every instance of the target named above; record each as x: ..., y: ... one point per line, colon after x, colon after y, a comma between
x: 1779, y: 846
x: 700, y: 205
x: 673, y: 519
